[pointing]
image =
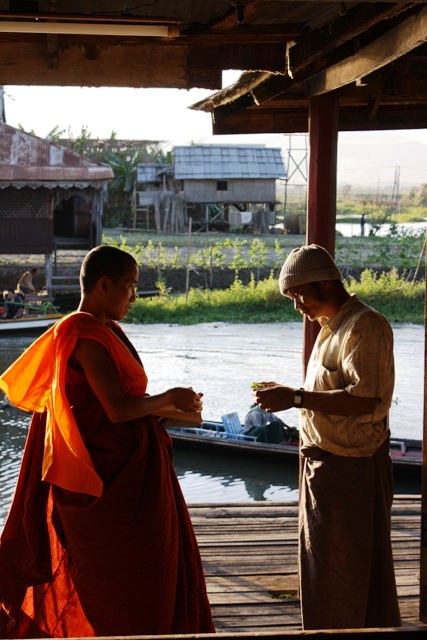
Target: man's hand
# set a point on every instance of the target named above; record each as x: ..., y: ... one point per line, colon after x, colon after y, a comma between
x: 272, y: 397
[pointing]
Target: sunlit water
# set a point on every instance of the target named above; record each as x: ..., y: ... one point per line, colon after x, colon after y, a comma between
x: 353, y: 229
x: 222, y: 360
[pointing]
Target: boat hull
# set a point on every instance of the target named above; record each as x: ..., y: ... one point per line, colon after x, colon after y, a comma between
x: 30, y: 323
x: 406, y: 455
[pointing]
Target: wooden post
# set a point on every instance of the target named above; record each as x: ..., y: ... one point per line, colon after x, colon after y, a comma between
x: 187, y: 277
x: 322, y: 186
x: 133, y: 206
x: 48, y: 274
x: 423, y: 550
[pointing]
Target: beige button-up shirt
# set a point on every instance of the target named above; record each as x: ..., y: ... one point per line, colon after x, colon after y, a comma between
x: 354, y: 352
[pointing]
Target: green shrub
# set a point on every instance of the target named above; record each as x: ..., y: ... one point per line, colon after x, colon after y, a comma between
x: 389, y: 293
x: 398, y: 299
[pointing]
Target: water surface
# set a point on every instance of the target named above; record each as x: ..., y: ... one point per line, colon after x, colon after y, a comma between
x: 222, y: 360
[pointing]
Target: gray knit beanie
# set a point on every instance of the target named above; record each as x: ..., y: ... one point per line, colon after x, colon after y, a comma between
x: 306, y: 264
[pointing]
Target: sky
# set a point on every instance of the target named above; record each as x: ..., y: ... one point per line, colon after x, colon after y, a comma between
x: 164, y: 115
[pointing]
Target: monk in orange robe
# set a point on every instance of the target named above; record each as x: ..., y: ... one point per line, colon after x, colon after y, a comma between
x: 98, y: 540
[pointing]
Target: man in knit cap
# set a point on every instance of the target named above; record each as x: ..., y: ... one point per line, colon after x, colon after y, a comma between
x: 345, y: 558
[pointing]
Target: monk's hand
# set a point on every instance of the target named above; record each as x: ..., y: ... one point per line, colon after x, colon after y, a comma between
x: 198, y: 404
x: 186, y: 399
x: 273, y: 397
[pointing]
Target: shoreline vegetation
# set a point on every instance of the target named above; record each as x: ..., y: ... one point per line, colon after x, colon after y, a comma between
x: 385, y: 272
x: 399, y: 300
x: 220, y: 277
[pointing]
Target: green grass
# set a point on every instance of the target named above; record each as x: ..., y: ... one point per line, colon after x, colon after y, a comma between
x: 398, y: 299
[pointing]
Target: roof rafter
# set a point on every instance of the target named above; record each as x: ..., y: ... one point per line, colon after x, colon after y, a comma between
x: 304, y: 58
x: 393, y: 45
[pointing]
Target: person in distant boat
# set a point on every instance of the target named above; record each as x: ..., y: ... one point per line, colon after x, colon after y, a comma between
x: 98, y: 540
x: 267, y: 427
x: 13, y: 305
x: 345, y: 557
x: 25, y: 283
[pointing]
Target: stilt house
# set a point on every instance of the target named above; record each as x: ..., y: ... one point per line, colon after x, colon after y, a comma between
x: 50, y: 197
x: 218, y: 186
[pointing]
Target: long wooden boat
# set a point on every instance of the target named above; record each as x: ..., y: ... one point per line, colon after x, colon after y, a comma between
x: 29, y: 322
x: 406, y: 454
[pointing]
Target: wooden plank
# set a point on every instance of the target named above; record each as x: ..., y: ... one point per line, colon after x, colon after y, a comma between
x: 249, y: 552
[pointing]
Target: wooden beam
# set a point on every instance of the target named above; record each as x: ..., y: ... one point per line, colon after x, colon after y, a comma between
x: 402, y: 79
x: 228, y: 121
x: 315, y: 49
x: 349, y: 27
x: 321, y: 186
x: 83, y: 18
x: 251, y: 55
x: 393, y: 97
x: 242, y: 34
x: 68, y: 60
x: 383, y: 119
x: 295, y: 121
x: 99, y: 63
x: 396, y: 43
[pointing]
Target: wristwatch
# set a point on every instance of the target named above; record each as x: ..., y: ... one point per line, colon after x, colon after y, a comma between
x: 299, y: 398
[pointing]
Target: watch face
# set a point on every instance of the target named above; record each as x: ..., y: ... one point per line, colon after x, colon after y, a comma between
x: 297, y: 398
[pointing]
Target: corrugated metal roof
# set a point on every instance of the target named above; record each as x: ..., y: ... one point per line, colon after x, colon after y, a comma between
x: 220, y: 162
x: 151, y: 171
x: 51, y: 184
x: 24, y: 157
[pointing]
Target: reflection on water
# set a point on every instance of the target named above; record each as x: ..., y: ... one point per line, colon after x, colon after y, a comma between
x: 222, y: 360
x: 13, y: 431
x: 210, y: 478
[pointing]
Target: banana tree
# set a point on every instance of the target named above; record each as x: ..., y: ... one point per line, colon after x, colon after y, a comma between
x: 123, y: 187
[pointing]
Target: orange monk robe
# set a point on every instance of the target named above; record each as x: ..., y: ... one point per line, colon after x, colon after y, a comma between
x: 116, y: 537
x: 36, y: 382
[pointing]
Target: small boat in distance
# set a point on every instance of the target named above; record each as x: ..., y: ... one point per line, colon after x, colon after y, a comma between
x: 29, y: 322
x: 212, y: 437
x: 34, y: 312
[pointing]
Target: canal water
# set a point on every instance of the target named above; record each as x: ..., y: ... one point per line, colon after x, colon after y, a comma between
x: 222, y: 360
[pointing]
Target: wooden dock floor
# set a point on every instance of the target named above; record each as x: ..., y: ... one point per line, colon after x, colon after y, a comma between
x: 249, y: 553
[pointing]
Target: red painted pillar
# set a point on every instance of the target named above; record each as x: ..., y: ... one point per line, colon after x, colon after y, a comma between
x: 423, y: 550
x: 322, y: 185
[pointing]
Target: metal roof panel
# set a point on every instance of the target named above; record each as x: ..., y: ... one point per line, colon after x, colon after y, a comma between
x: 24, y: 156
x: 228, y: 161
